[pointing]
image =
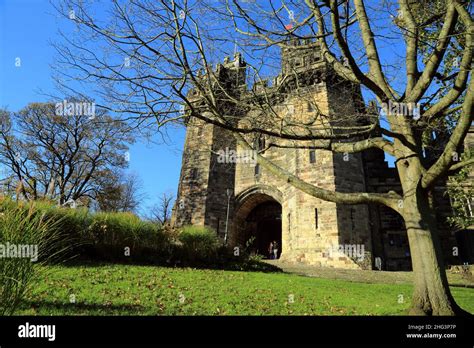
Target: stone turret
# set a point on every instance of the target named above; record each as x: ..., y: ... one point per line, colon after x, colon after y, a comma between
x: 301, y: 56
x: 205, y: 181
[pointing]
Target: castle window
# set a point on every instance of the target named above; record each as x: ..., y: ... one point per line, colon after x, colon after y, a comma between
x: 200, y: 129
x: 314, y: 59
x: 312, y: 156
x: 310, y: 107
x: 316, y: 219
x: 257, y: 169
x: 469, y: 208
x: 352, y: 219
x: 194, y: 174
x: 260, y: 143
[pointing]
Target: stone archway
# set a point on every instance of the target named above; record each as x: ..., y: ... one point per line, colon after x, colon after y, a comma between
x: 257, y: 218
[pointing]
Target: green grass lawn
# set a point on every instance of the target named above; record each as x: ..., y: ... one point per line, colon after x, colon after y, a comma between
x: 143, y: 290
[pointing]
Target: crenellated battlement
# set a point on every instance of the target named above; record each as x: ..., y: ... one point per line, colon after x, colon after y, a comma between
x: 301, y: 65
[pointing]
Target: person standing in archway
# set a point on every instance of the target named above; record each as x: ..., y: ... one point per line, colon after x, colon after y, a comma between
x: 270, y: 251
x: 275, y: 250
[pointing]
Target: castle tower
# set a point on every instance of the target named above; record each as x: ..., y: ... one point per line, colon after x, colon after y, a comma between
x: 264, y: 209
x: 206, y: 183
x: 312, y: 231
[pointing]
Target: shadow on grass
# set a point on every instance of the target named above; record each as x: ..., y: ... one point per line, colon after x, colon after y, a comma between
x: 76, y: 307
x: 232, y: 265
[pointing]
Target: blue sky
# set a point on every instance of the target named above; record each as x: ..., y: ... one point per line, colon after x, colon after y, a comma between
x: 27, y: 28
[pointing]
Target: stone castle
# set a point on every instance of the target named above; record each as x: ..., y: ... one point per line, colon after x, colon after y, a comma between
x: 250, y: 207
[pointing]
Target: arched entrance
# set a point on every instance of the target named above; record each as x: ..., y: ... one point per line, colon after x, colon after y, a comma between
x: 257, y: 221
x: 264, y: 225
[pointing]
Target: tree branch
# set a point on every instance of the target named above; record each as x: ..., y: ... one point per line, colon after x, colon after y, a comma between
x: 460, y: 165
x: 350, y: 147
x: 461, y: 80
x: 436, y: 57
x: 390, y: 199
x: 411, y: 38
x: 371, y: 49
x: 443, y: 164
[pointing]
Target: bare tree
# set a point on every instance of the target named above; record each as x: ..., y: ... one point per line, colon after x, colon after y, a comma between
x: 122, y: 193
x: 61, y: 157
x: 156, y: 56
x: 161, y: 212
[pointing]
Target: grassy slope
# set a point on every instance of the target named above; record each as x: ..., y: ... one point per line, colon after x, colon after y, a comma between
x: 140, y: 290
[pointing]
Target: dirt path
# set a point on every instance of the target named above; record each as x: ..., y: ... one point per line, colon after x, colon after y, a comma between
x: 362, y: 276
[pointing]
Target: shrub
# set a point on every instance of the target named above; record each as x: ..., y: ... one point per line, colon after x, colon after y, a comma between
x: 104, y: 237
x: 110, y: 233
x: 198, y: 243
x: 23, y: 227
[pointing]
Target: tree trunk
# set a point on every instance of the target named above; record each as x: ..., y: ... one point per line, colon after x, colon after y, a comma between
x: 431, y: 295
